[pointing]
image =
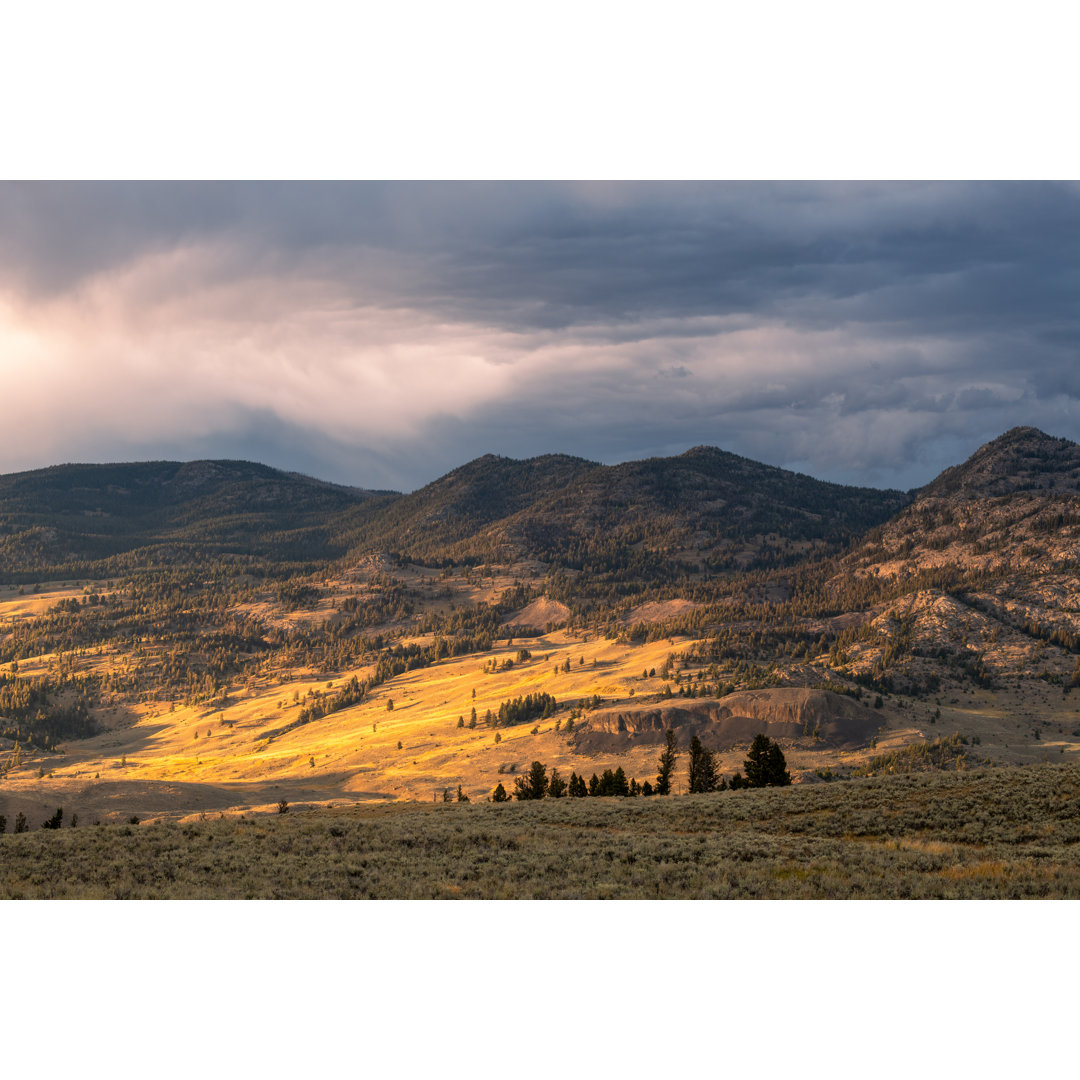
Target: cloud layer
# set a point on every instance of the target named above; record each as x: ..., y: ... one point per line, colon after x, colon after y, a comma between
x: 380, y: 334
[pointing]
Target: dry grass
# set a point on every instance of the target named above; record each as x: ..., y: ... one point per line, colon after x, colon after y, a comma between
x: 991, y: 833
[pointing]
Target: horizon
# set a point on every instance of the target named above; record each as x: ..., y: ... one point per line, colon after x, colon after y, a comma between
x: 374, y: 333
x: 454, y: 468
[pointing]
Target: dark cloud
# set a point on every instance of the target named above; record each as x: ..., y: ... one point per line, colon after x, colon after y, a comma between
x: 381, y: 333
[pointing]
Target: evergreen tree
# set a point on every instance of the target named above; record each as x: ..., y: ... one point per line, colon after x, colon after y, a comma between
x: 765, y: 765
x: 701, y: 774
x: 461, y: 796
x: 666, y: 764
x: 556, y: 785
x: 577, y: 788
x: 646, y: 788
x: 619, y: 785
x: 534, y: 785
x: 594, y: 786
x: 499, y: 794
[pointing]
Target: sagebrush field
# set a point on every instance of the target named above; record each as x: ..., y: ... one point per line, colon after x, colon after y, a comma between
x: 983, y: 833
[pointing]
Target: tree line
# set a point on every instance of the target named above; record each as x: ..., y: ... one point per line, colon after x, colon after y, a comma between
x: 764, y: 766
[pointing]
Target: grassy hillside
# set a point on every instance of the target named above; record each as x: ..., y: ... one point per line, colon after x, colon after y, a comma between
x: 1007, y: 833
x: 234, y: 659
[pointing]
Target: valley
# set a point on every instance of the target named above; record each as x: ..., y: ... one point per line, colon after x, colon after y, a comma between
x: 253, y: 642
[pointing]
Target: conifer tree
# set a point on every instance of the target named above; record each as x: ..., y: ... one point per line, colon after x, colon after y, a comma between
x: 701, y: 775
x: 765, y: 765
x: 534, y: 785
x: 666, y: 764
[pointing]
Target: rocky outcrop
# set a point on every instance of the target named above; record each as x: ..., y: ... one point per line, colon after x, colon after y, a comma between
x: 792, y: 714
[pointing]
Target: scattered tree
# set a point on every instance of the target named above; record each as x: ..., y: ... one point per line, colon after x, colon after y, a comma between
x: 499, y: 794
x: 557, y: 786
x: 765, y: 765
x: 666, y: 764
x: 702, y: 775
x: 534, y: 785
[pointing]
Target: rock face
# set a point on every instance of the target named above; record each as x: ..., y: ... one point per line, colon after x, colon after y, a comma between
x: 792, y: 714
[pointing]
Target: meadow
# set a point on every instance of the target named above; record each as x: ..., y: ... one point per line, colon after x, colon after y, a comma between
x: 1001, y: 833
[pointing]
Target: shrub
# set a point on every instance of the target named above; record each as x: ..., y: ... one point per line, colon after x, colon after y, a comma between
x: 283, y: 807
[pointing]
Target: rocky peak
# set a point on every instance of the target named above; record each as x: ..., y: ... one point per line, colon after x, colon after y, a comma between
x: 1023, y: 459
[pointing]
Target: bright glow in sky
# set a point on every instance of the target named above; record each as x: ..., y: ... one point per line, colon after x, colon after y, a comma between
x: 380, y: 334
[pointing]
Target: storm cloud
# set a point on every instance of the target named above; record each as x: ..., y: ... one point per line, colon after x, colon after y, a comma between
x: 380, y: 334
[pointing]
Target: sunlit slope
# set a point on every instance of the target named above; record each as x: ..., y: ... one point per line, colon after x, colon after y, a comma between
x: 355, y: 754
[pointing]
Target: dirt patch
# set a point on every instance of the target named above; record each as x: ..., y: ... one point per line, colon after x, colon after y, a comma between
x: 540, y: 614
x: 799, y: 716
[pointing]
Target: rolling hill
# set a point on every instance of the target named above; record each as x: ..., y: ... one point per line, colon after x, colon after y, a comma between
x: 221, y: 634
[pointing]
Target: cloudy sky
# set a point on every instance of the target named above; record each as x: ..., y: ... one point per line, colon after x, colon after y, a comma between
x: 380, y: 334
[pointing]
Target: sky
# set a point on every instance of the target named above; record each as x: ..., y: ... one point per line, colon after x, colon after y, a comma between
x: 380, y: 334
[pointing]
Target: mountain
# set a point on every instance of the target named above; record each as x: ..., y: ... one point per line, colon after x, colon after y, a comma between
x: 704, y: 509
x: 65, y: 517
x: 1012, y: 507
x: 980, y: 569
x: 938, y: 628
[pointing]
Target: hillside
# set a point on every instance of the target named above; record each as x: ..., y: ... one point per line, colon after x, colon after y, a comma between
x: 982, y: 834
x: 63, y: 520
x: 705, y: 509
x: 990, y: 552
x: 221, y: 635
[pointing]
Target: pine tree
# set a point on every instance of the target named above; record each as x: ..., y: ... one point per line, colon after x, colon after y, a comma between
x: 666, y: 764
x: 534, y: 785
x: 765, y: 765
x: 499, y: 794
x: 556, y: 785
x: 461, y: 796
x: 701, y: 774
x: 594, y: 785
